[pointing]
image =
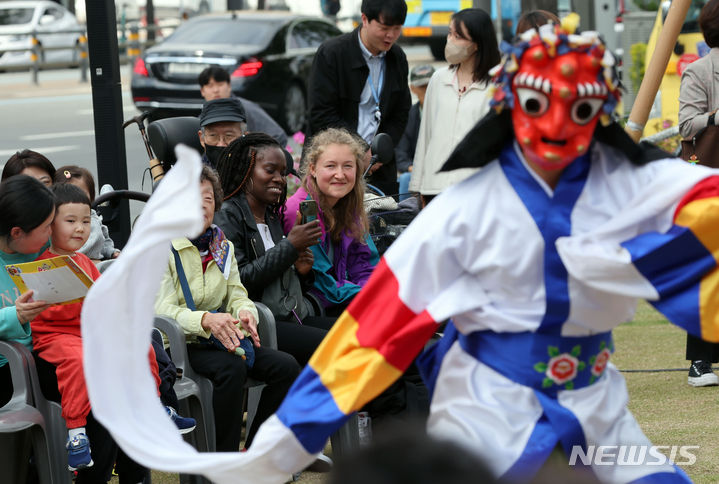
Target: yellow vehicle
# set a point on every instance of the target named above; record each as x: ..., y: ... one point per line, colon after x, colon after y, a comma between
x: 690, y: 46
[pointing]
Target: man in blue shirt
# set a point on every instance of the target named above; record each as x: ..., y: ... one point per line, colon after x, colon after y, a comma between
x: 359, y: 82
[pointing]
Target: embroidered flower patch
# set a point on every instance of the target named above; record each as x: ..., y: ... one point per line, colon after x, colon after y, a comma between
x: 562, y: 368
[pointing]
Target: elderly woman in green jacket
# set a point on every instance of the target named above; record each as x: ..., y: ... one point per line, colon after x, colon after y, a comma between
x: 216, y: 315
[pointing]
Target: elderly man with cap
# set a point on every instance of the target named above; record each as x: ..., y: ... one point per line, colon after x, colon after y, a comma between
x: 419, y: 78
x: 221, y: 122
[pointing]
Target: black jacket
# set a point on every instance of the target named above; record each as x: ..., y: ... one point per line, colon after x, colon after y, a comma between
x: 258, y: 269
x: 339, y: 73
x: 404, y: 152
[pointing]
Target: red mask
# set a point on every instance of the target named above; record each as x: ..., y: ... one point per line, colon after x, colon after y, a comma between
x: 557, y: 102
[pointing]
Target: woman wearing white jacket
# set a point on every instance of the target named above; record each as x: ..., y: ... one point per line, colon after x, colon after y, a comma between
x: 457, y: 97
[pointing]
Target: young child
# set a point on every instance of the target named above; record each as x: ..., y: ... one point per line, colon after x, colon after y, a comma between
x: 99, y: 245
x: 56, y: 331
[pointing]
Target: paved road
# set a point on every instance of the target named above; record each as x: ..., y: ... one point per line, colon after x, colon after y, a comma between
x: 55, y: 118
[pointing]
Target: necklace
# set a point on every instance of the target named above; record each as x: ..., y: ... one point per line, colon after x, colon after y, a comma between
x: 259, y: 220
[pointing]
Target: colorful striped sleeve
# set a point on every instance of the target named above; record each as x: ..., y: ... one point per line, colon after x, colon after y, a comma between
x: 368, y: 348
x: 681, y: 263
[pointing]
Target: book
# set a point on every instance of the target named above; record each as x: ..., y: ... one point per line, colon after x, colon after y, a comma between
x: 58, y: 280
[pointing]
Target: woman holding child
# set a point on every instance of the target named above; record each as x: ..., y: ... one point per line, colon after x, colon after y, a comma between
x: 29, y: 209
x: 344, y: 255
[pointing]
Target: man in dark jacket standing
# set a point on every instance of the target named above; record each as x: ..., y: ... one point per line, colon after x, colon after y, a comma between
x: 359, y: 82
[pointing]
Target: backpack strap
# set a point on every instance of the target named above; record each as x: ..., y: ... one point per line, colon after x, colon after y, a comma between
x: 189, y: 301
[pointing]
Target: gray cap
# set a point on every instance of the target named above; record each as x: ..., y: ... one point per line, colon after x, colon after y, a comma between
x: 227, y: 110
x: 420, y: 75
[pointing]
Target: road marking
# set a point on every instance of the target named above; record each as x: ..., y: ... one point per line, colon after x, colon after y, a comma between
x: 44, y: 150
x: 66, y: 134
x: 126, y: 109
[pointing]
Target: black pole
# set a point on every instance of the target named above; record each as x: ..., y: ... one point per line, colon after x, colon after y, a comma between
x: 107, y: 108
x: 150, y: 20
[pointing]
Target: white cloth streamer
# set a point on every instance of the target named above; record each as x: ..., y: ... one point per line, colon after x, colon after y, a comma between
x: 117, y: 320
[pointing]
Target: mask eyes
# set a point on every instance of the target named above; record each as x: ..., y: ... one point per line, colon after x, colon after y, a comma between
x: 584, y: 109
x: 534, y: 103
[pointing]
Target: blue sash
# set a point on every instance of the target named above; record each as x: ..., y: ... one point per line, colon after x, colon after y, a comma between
x: 245, y: 343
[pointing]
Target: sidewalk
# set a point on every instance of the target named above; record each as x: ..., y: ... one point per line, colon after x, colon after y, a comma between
x: 58, y: 82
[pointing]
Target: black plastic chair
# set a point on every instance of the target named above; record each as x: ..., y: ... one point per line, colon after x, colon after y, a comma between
x: 194, y: 391
x: 29, y: 421
x: 165, y: 134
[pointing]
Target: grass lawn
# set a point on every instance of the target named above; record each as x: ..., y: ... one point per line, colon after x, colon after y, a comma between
x: 669, y: 411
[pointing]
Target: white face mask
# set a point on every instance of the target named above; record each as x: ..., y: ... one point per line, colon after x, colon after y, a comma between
x: 456, y: 54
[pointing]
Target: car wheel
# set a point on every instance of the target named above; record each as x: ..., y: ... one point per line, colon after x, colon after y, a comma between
x: 294, y: 109
x: 436, y: 46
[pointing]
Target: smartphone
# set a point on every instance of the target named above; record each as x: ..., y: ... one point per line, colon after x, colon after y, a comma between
x: 308, y: 210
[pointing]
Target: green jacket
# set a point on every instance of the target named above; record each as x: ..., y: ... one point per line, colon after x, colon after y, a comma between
x: 210, y: 292
x: 10, y: 328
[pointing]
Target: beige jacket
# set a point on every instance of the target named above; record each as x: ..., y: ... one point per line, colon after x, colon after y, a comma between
x: 698, y: 93
x: 446, y: 119
x: 210, y: 290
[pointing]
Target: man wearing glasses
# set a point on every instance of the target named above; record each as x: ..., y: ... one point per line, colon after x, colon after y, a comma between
x: 359, y: 83
x: 221, y: 122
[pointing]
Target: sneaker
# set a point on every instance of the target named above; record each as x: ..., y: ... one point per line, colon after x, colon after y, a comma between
x: 78, y: 452
x: 701, y: 374
x: 184, y: 424
x: 321, y: 464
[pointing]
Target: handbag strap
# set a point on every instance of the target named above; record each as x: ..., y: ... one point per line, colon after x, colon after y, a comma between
x: 189, y: 301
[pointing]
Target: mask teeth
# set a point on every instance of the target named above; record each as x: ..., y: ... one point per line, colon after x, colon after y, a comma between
x: 547, y: 86
x: 590, y: 89
x: 580, y: 90
x: 538, y: 83
x: 530, y: 80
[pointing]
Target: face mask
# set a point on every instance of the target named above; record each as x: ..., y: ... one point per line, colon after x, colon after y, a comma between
x: 213, y: 154
x: 456, y: 54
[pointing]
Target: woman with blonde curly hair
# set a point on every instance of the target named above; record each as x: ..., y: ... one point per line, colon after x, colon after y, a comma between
x: 344, y: 256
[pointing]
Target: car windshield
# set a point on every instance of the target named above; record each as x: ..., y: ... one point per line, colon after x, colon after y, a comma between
x: 15, y: 16
x: 225, y: 31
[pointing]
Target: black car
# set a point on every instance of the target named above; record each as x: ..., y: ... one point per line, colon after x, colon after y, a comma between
x: 268, y: 54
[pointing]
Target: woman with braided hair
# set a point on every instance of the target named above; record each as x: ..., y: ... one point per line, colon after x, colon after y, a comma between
x: 275, y: 269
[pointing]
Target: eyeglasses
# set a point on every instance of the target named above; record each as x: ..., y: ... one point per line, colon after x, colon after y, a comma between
x: 217, y: 138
